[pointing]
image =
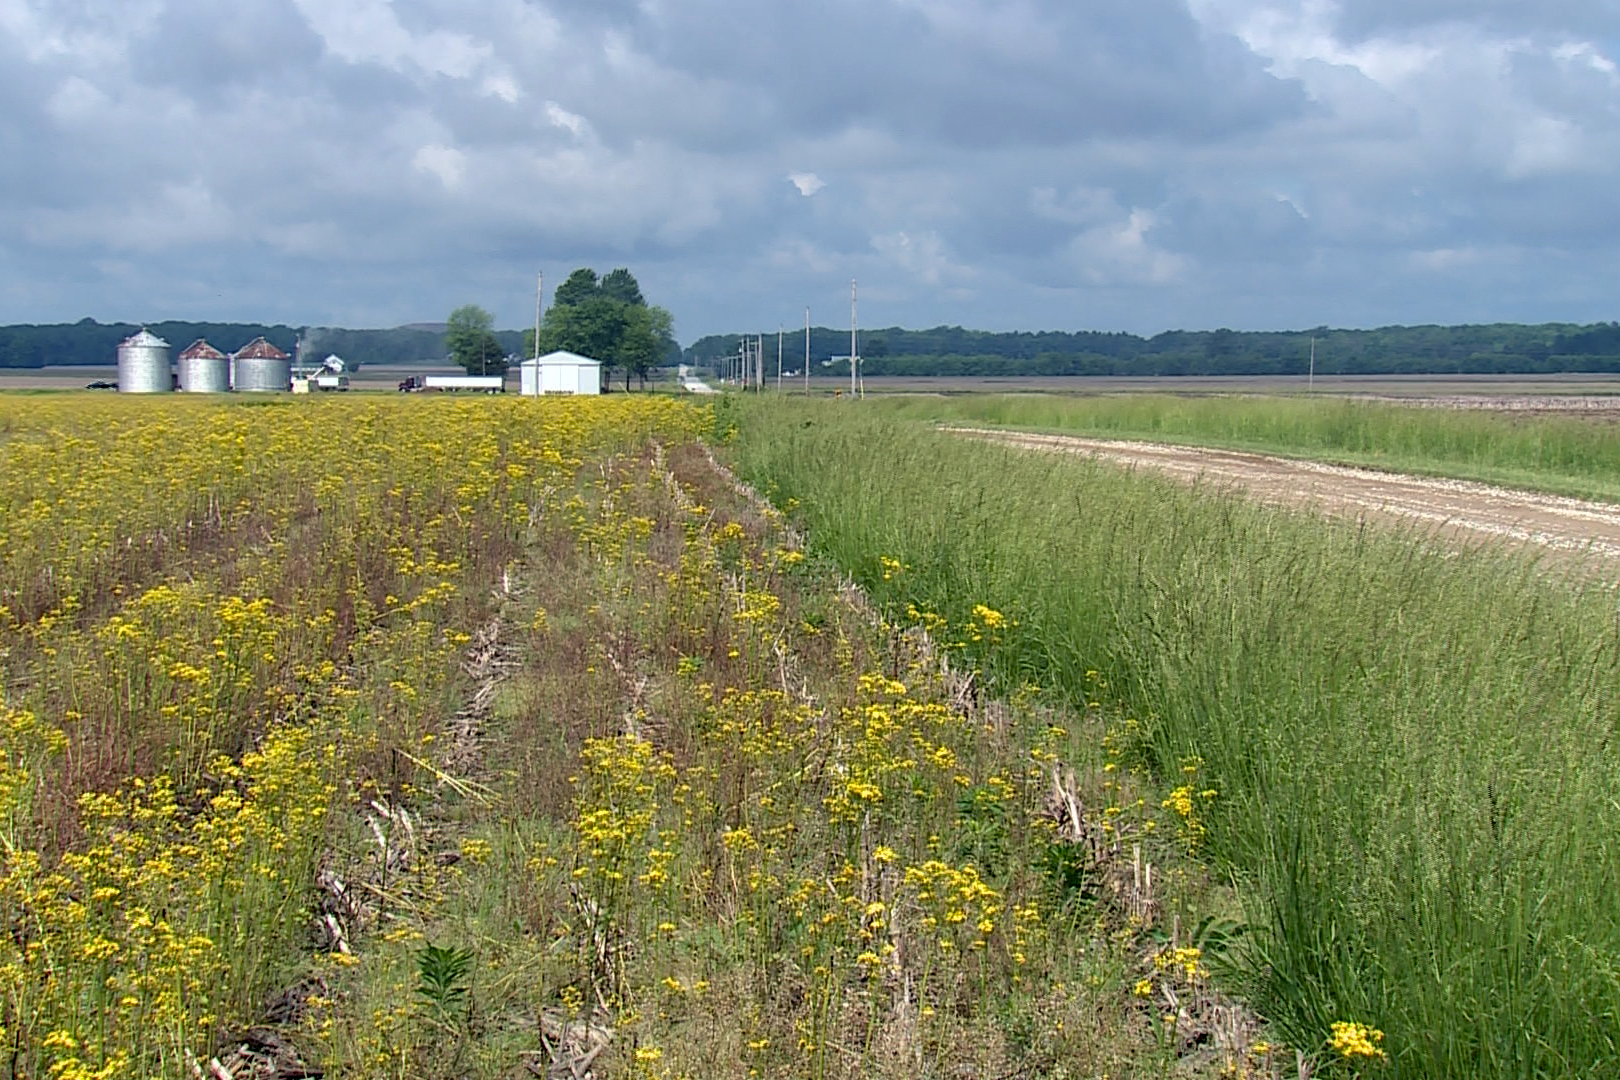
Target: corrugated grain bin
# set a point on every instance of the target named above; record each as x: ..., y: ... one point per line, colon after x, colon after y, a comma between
x: 204, y: 369
x: 260, y: 366
x: 143, y: 365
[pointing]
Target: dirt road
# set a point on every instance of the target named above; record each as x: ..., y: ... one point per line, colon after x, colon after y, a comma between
x: 1455, y: 508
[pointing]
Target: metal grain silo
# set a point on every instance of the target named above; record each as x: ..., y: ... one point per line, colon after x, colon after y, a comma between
x: 260, y: 366
x: 143, y: 365
x: 204, y: 369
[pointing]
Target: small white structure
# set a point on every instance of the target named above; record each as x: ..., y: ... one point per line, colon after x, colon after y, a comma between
x: 560, y: 373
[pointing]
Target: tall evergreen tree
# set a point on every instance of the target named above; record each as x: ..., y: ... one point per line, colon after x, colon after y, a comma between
x: 580, y: 287
x: 621, y: 285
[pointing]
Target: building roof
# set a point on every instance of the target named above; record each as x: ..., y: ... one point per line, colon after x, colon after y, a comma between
x: 260, y: 349
x: 201, y: 350
x: 145, y: 337
x: 563, y: 356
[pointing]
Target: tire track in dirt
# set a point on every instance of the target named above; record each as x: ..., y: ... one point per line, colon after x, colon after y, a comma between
x: 1460, y: 510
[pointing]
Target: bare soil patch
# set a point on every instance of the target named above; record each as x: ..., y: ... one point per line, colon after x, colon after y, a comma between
x: 1460, y: 510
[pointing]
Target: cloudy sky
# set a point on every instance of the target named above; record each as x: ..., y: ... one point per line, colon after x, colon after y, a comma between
x: 1062, y: 164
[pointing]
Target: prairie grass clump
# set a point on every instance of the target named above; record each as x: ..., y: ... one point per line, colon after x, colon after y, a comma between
x: 1402, y: 756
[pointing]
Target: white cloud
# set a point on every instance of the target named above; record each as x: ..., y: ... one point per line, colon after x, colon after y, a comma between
x: 369, y: 31
x: 1442, y: 260
x: 1120, y: 253
x: 808, y: 183
x: 444, y: 163
x: 922, y: 255
x: 573, y: 123
x: 502, y: 86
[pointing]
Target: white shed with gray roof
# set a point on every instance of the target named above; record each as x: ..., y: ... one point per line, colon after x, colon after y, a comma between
x: 560, y: 372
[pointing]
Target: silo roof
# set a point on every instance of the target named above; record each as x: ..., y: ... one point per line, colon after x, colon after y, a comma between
x: 260, y: 349
x: 201, y: 350
x: 147, y: 338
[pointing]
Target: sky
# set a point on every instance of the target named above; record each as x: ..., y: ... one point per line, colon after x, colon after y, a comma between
x: 1136, y: 165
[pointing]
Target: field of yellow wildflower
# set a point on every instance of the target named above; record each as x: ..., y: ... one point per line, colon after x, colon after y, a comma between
x: 377, y: 737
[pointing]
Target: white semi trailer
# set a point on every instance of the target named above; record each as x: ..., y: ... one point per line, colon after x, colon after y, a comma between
x: 489, y: 384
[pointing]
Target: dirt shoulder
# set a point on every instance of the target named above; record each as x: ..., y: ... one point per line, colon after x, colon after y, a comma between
x: 1459, y: 509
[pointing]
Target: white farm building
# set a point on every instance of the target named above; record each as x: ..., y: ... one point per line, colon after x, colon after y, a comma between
x: 560, y: 373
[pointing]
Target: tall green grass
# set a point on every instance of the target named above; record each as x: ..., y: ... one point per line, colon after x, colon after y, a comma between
x: 1415, y: 751
x: 1566, y: 455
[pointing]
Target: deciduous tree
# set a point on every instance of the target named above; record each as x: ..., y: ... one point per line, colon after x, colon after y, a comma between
x: 607, y: 320
x: 469, y: 336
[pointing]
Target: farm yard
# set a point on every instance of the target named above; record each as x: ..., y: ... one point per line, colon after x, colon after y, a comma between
x: 380, y: 737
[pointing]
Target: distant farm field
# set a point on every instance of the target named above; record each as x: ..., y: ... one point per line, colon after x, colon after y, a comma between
x: 1403, y: 757
x: 1484, y: 388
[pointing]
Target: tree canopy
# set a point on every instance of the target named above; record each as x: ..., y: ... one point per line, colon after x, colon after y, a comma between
x: 469, y: 334
x: 580, y: 286
x: 607, y: 319
x: 621, y: 285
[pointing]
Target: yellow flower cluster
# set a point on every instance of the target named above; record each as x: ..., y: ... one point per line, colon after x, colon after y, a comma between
x: 1352, y: 1040
x: 1185, y: 800
x: 956, y: 903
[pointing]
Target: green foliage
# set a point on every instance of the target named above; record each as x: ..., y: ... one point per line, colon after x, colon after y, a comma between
x: 607, y: 320
x: 1067, y: 870
x: 592, y: 327
x: 580, y: 286
x: 648, y: 332
x: 621, y: 285
x: 472, y: 342
x: 981, y: 830
x: 1409, y: 750
x: 444, y: 978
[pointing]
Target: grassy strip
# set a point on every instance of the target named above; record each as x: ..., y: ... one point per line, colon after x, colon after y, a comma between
x: 738, y: 829
x: 1409, y: 757
x: 1561, y: 455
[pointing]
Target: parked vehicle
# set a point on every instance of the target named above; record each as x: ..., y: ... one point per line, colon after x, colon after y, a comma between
x: 489, y: 384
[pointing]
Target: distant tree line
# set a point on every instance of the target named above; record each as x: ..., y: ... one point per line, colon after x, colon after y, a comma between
x: 1500, y: 348
x: 90, y: 342
x: 602, y: 318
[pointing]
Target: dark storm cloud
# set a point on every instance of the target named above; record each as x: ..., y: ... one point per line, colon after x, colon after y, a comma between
x: 972, y: 74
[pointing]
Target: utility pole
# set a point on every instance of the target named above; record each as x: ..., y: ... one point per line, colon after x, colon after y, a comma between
x: 778, y: 358
x: 540, y: 293
x: 807, y: 350
x: 1310, y: 381
x: 853, y: 360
